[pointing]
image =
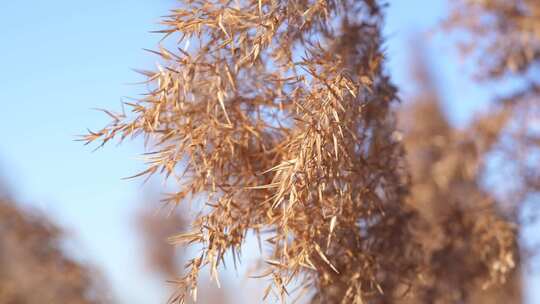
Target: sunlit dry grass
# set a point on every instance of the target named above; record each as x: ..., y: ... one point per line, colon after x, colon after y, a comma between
x: 278, y: 116
x: 34, y: 268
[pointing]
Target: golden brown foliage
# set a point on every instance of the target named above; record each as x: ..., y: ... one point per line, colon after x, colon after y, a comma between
x: 164, y: 259
x: 503, y: 34
x: 275, y: 117
x: 33, y: 268
x: 297, y: 147
x: 469, y: 246
x: 505, y: 38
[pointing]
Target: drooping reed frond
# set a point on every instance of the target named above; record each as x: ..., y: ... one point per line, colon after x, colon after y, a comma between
x: 276, y: 117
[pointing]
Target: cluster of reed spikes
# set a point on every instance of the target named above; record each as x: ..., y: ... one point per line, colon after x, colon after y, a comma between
x: 275, y: 117
x: 469, y: 245
x: 164, y: 259
x: 33, y: 267
x: 504, y: 41
x: 504, y: 36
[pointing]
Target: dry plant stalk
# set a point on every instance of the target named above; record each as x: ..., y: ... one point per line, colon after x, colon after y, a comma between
x: 276, y: 114
x: 470, y: 247
x: 296, y: 146
x: 33, y: 268
x: 504, y: 38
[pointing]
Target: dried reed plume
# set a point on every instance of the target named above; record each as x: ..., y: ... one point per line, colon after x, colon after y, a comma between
x: 164, y: 259
x: 469, y: 245
x: 276, y: 115
x: 504, y: 36
x: 34, y: 269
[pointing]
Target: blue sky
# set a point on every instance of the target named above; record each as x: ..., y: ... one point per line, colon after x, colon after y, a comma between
x: 61, y: 58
